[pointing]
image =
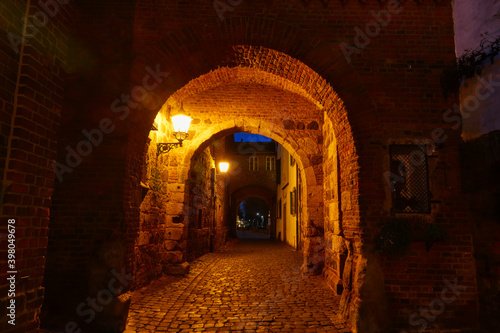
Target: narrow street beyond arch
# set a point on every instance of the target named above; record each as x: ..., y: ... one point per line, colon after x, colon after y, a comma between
x: 252, y: 286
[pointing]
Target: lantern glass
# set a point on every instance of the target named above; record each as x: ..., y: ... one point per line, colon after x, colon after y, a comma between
x: 223, y: 167
x: 181, y: 123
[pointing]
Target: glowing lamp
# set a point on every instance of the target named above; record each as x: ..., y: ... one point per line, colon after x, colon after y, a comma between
x: 181, y: 122
x: 223, y: 167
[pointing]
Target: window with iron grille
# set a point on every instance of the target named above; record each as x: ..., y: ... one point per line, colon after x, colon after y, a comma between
x: 409, y: 179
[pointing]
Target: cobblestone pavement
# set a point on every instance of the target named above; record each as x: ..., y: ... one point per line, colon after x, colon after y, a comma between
x: 253, y: 286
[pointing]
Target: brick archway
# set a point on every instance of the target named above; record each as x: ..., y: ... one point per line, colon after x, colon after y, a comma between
x: 314, y: 72
x: 262, y: 65
x: 271, y: 68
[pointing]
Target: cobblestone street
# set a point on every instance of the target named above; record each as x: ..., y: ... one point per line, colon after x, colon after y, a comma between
x: 253, y: 286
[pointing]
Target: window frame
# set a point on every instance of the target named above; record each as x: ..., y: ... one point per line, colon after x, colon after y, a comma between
x: 396, y: 170
x: 270, y: 163
x: 279, y: 209
x: 253, y: 163
x: 278, y: 171
x: 293, y: 201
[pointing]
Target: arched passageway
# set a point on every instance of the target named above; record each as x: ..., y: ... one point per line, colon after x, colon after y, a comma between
x: 292, y: 113
x: 253, y: 218
x: 292, y: 110
x: 313, y: 203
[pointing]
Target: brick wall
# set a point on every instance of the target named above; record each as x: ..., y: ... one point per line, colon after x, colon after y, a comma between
x: 93, y: 199
x: 31, y: 93
x: 419, y: 278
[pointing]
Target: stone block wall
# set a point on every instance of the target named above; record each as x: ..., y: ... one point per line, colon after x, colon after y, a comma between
x: 201, y: 220
x: 208, y: 223
x: 161, y: 240
x: 182, y: 218
x: 336, y: 246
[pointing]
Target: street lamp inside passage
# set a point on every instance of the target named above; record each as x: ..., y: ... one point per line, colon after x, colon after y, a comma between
x: 223, y: 167
x: 181, y: 122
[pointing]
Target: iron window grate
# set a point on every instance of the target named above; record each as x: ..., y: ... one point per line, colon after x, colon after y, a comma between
x: 410, y: 190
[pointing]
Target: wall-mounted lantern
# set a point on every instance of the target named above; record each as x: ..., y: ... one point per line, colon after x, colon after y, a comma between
x: 181, y: 122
